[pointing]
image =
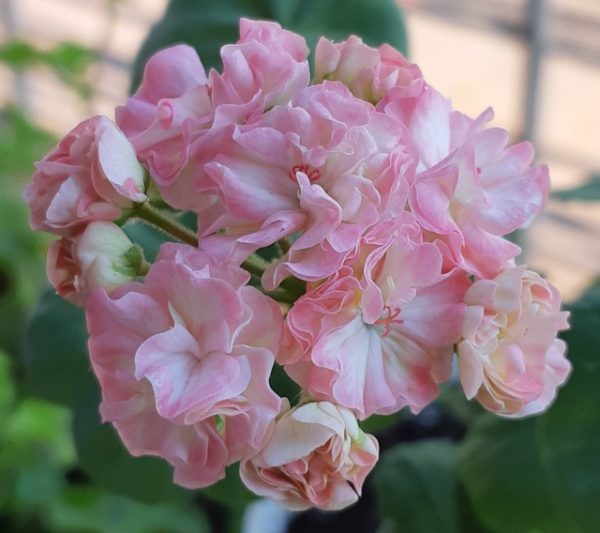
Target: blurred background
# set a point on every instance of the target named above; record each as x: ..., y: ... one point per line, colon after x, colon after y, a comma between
x: 536, y: 62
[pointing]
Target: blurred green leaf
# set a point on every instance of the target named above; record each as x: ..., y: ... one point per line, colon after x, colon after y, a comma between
x: 104, y: 458
x: 21, y: 250
x: 500, y: 467
x: 588, y: 192
x: 20, y: 54
x: 70, y: 57
x: 56, y: 351
x: 570, y: 431
x: 230, y: 491
x: 91, y: 510
x: 208, y: 25
x: 417, y: 487
x: 68, y: 60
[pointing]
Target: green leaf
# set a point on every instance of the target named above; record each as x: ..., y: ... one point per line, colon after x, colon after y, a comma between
x: 588, y: 192
x: 96, y: 511
x: 208, y: 25
x: 417, y: 487
x: 19, y: 54
x: 230, y: 491
x: 570, y: 431
x: 21, y: 250
x: 56, y: 351
x: 500, y: 467
x: 68, y: 60
x: 109, y: 464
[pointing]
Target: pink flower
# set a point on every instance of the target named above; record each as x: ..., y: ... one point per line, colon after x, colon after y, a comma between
x: 184, y: 361
x: 177, y: 105
x: 471, y: 187
x: 266, y: 67
x: 368, y: 72
x: 316, y: 457
x: 102, y: 256
x: 162, y: 117
x: 326, y: 168
x: 92, y: 174
x: 378, y: 335
x: 510, y: 359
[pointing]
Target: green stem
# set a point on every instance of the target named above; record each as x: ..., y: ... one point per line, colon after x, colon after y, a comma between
x: 161, y: 221
x: 291, y: 289
x: 256, y: 265
x: 284, y: 245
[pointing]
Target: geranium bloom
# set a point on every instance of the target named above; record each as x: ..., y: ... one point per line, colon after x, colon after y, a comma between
x: 471, y: 188
x: 510, y: 359
x: 172, y: 102
x: 92, y: 174
x: 184, y: 360
x: 177, y: 105
x: 317, y: 456
x: 385, y: 214
x: 368, y: 72
x: 321, y: 168
x: 380, y: 337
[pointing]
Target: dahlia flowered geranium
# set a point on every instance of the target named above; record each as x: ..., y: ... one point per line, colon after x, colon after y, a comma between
x: 388, y: 211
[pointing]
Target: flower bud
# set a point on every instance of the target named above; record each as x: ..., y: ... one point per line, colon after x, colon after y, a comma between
x: 102, y: 256
x: 93, y: 174
x: 317, y: 456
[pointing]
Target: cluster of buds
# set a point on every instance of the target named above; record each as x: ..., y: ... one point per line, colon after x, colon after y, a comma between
x: 387, y: 211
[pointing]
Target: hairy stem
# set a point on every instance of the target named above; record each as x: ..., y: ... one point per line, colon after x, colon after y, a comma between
x: 154, y: 217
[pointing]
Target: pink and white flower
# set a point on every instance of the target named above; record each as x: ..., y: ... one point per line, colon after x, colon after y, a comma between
x: 378, y: 335
x: 184, y: 361
x: 325, y: 168
x: 471, y: 188
x: 510, y: 358
x: 266, y: 67
x: 317, y: 456
x: 369, y: 73
x: 93, y: 174
x: 162, y: 117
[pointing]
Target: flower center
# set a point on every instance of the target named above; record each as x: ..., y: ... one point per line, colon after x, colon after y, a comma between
x: 388, y: 318
x: 313, y: 174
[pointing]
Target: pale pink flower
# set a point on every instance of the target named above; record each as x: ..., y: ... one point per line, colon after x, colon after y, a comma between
x: 102, y: 256
x: 471, y: 187
x: 378, y: 335
x: 184, y: 361
x: 326, y: 167
x: 163, y: 116
x: 266, y: 67
x: 178, y: 113
x: 316, y: 457
x: 368, y: 72
x: 510, y: 358
x: 92, y: 174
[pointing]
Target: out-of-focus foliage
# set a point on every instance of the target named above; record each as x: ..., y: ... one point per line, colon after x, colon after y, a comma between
x: 68, y: 60
x: 21, y: 250
x: 417, y: 487
x: 207, y: 25
x: 587, y: 192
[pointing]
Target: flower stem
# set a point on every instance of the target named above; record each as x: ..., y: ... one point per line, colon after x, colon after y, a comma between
x: 291, y: 288
x: 155, y: 218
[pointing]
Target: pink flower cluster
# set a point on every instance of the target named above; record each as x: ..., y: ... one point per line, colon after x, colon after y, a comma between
x: 389, y: 212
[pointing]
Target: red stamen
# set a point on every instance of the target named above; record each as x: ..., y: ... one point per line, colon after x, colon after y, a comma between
x: 313, y: 174
x: 388, y: 318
